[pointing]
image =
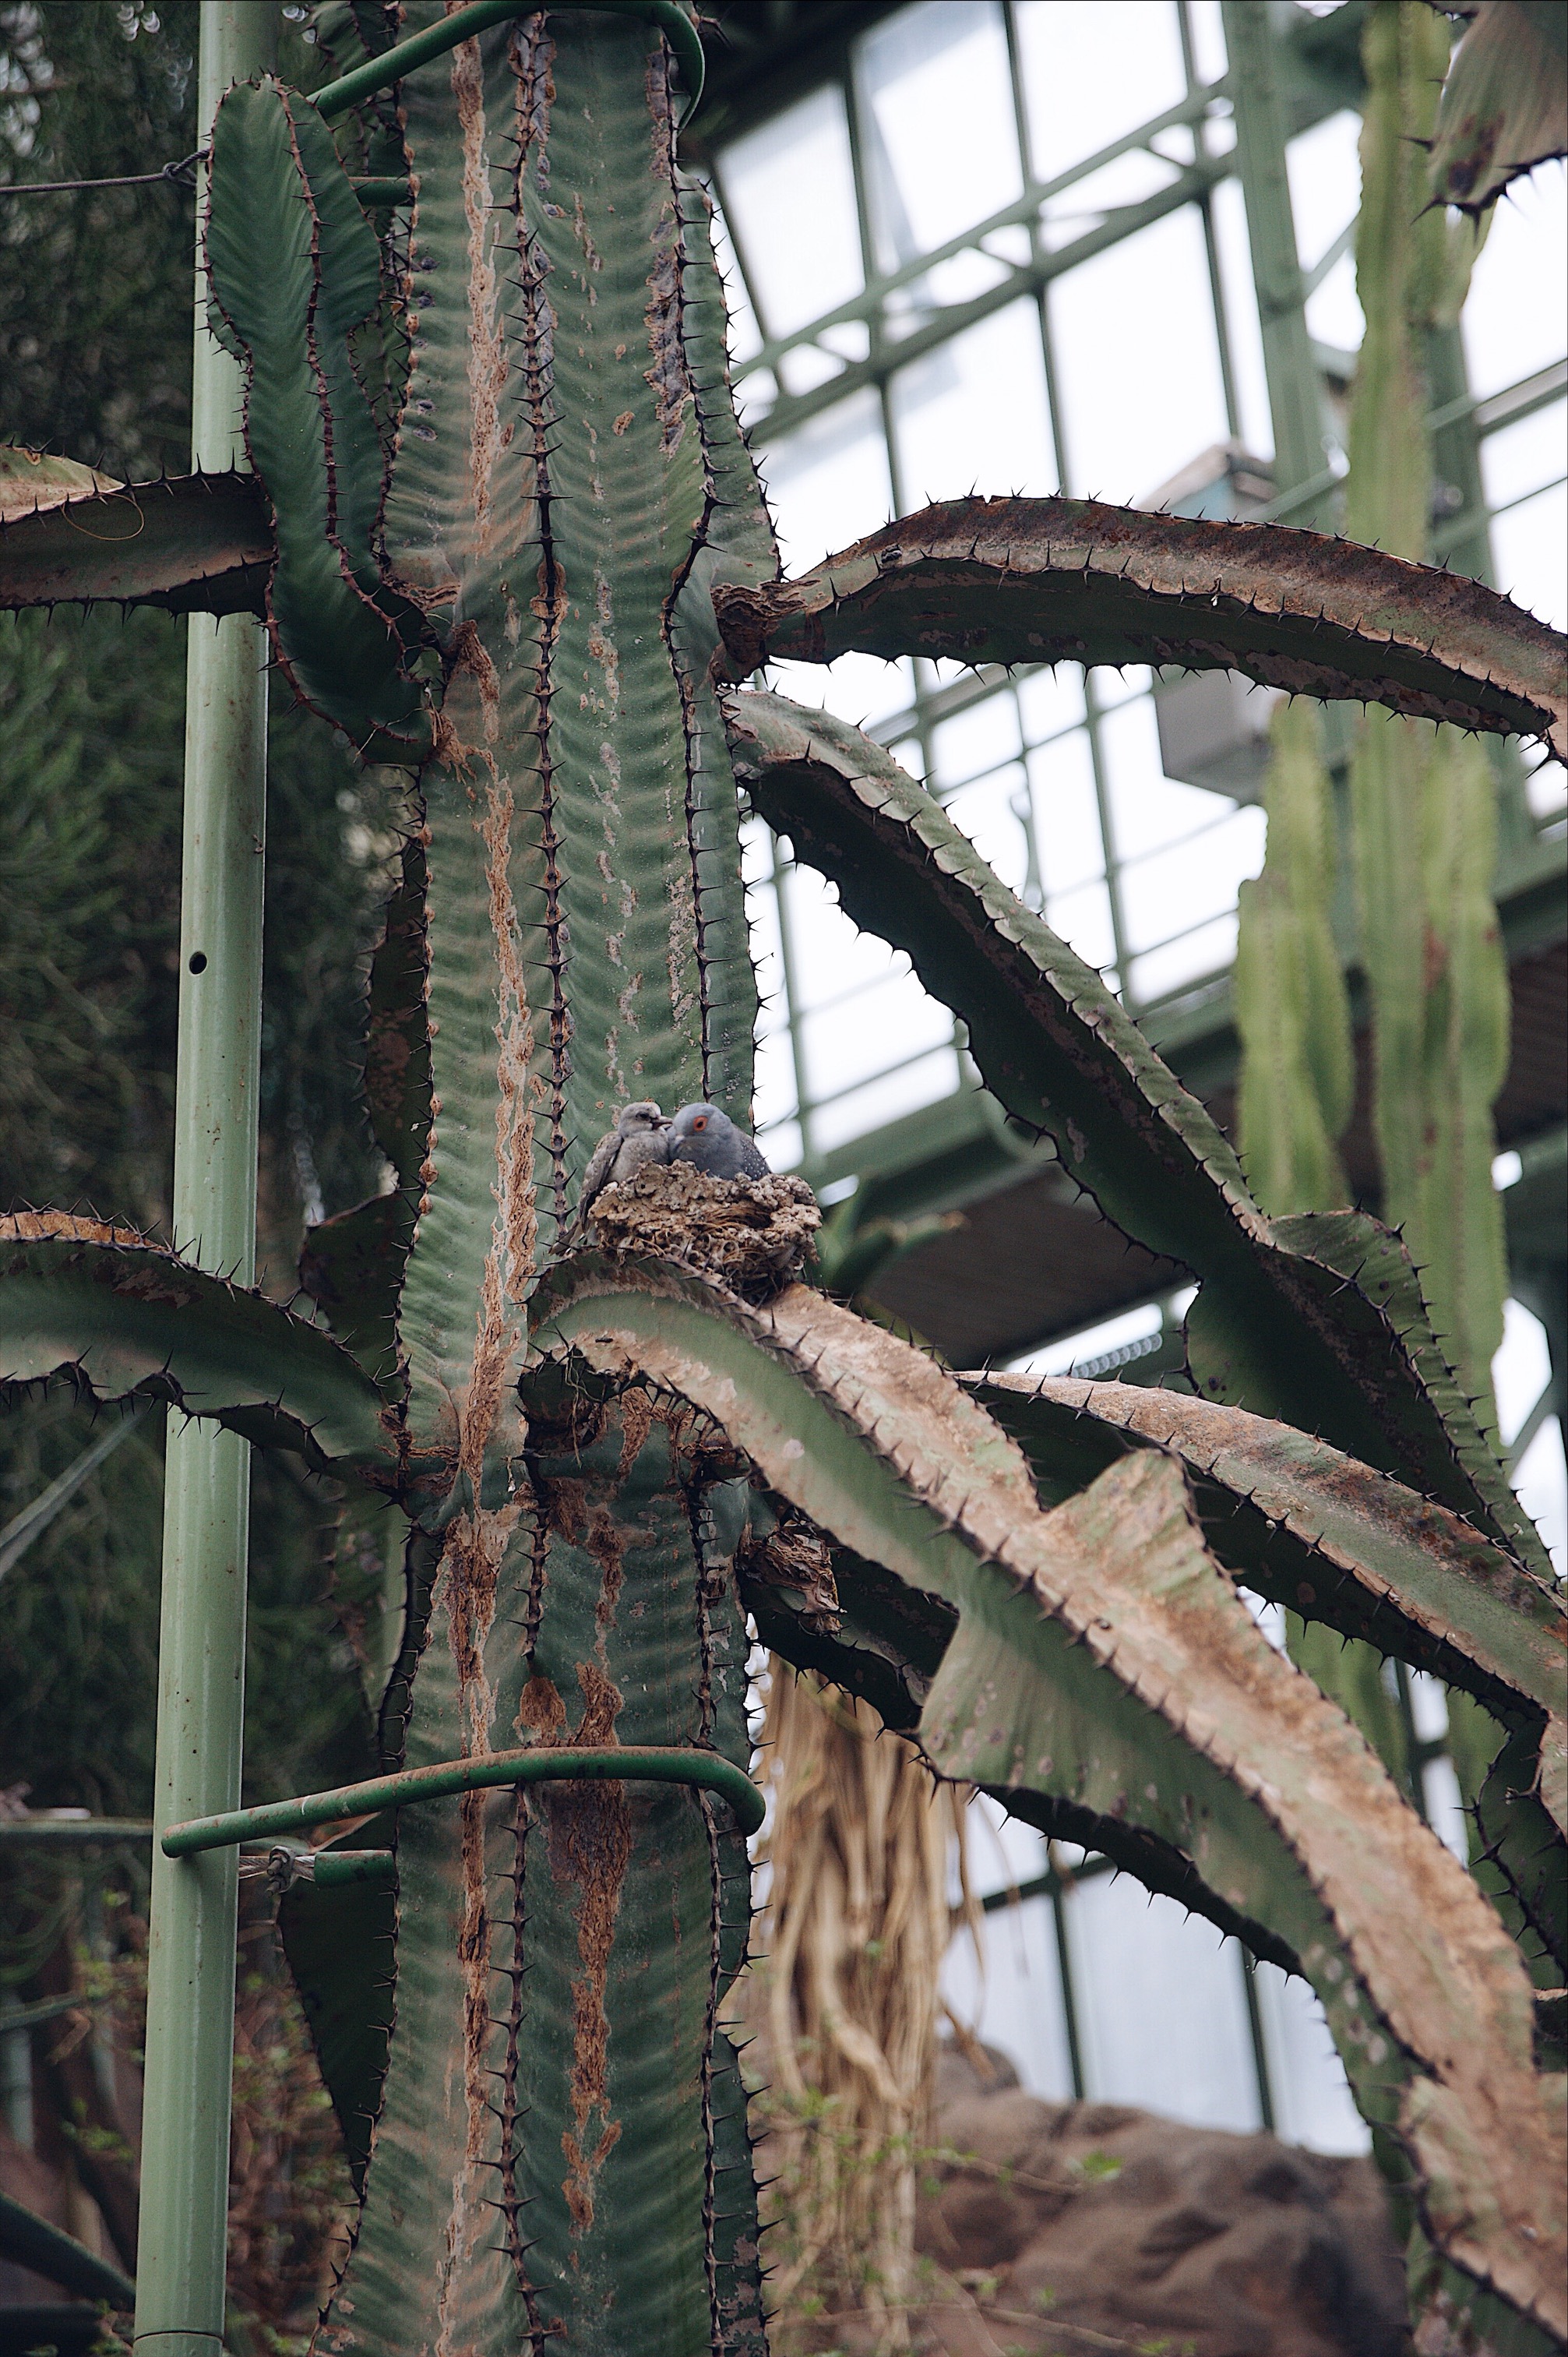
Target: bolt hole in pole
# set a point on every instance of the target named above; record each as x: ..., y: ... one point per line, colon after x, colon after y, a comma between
x: 201, y: 1663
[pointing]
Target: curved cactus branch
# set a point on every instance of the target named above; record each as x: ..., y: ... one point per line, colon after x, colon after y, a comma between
x: 192, y: 543
x: 121, y: 1314
x: 1316, y: 1320
x: 279, y: 186
x: 1044, y: 580
x: 1310, y: 1528
x: 1105, y: 1676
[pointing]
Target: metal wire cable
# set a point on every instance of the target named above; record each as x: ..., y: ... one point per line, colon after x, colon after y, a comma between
x: 178, y: 176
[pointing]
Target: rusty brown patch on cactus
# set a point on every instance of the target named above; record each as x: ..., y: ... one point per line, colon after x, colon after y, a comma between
x: 541, y: 1713
x: 638, y: 1417
x: 486, y: 344
x: 37, y: 1227
x: 589, y: 1841
x: 667, y: 372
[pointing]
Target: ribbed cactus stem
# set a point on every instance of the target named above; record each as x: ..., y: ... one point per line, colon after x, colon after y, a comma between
x: 1297, y: 1065
x: 1423, y: 800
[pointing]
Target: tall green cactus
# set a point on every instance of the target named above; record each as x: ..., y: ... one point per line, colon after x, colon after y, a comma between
x: 1423, y: 800
x: 507, y: 528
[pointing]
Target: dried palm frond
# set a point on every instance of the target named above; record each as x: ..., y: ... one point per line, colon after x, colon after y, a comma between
x: 855, y: 1927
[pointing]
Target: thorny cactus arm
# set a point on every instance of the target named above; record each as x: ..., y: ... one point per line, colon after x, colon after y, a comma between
x: 120, y: 1315
x: 1044, y: 580
x: 278, y: 188
x: 1316, y: 1320
x: 191, y: 543
x: 1105, y: 1678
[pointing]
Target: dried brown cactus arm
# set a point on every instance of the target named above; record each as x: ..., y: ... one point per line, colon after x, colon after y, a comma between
x: 1106, y: 1679
x: 1047, y: 580
x: 1313, y: 1530
x: 1310, y: 1528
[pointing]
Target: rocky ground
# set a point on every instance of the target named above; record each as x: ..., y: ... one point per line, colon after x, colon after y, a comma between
x: 1055, y: 2230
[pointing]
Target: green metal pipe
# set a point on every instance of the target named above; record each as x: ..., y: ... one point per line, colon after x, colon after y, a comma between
x: 436, y: 39
x: 631, y: 1763
x: 201, y: 1666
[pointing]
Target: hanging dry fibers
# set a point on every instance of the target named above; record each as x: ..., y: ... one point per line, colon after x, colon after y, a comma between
x: 854, y: 1928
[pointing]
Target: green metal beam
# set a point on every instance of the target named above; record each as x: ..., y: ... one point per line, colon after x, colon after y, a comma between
x: 626, y: 1763
x: 1295, y: 394
x: 202, y: 1667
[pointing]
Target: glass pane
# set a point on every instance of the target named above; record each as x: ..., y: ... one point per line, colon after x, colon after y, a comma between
x: 1540, y: 1480
x: 1324, y: 171
x: 994, y: 814
x: 1050, y: 701
x: 831, y: 957
x: 975, y: 741
x: 827, y: 483
x: 1313, y: 2104
x: 789, y: 190
x: 1206, y: 951
x: 1161, y: 2014
x: 922, y: 1083
x: 1137, y: 362
x: 1528, y: 545
x: 1192, y: 881
x: 745, y: 335
x: 1016, y: 2004
x: 1257, y: 422
x: 1515, y: 318
x: 938, y: 139
x: 1148, y: 810
x: 973, y: 414
x: 857, y: 1039
x: 861, y: 689
x: 1091, y: 72
x: 1083, y: 921
x: 1067, y: 814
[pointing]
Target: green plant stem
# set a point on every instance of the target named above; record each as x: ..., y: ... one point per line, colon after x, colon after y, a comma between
x: 436, y: 39
x: 190, y: 1985
x: 626, y: 1763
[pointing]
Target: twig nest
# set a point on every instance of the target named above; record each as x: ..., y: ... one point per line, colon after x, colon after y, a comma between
x: 753, y: 1234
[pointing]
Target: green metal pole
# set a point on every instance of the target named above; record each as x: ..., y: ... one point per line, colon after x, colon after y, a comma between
x: 1295, y: 400
x: 201, y: 1674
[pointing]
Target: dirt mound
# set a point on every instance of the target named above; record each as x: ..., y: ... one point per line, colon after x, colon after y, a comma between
x: 1062, y: 2227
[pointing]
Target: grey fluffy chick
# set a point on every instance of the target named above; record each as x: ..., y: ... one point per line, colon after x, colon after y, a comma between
x: 642, y: 1135
x: 702, y: 1135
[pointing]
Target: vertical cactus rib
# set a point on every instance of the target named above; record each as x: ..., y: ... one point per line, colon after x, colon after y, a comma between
x: 626, y: 499
x: 464, y: 539
x: 735, y: 542
x: 639, y: 1639
x: 1298, y: 1072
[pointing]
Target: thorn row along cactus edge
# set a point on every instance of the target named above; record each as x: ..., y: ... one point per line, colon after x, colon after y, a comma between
x: 504, y: 531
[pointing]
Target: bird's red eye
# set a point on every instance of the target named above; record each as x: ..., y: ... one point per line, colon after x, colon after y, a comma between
x: 700, y: 1122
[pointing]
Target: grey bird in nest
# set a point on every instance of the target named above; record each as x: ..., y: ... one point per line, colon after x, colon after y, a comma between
x: 702, y: 1135
x: 642, y: 1135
